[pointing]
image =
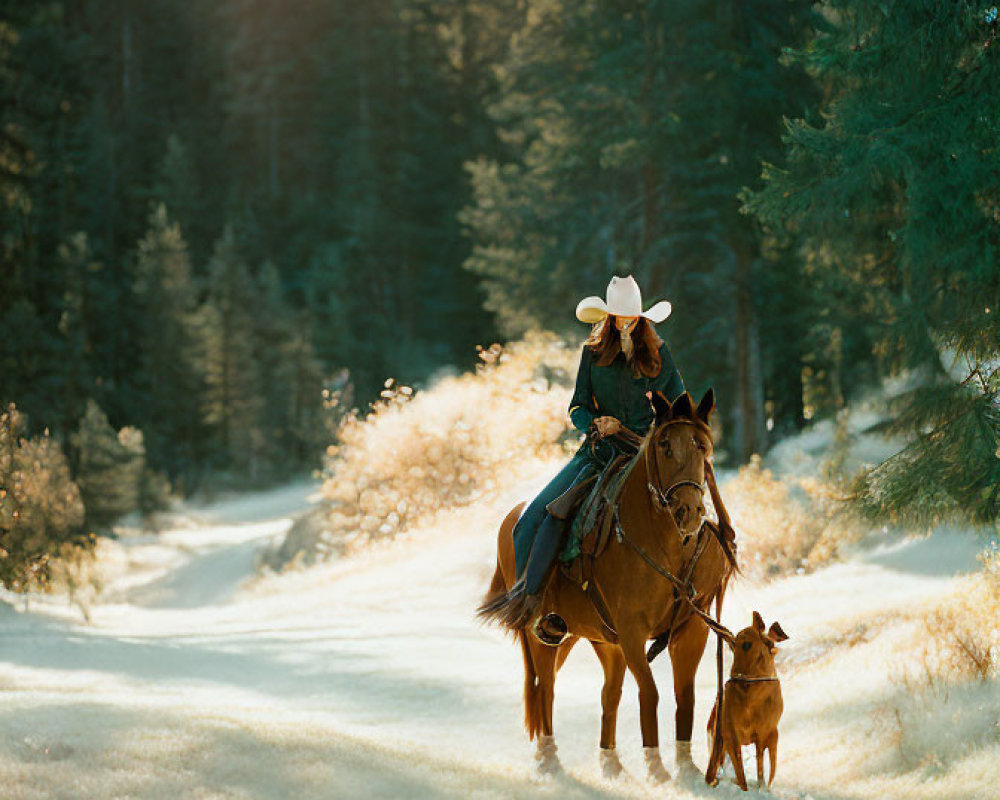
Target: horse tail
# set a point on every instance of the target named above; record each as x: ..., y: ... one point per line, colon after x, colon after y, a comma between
x: 532, y: 691
x: 496, y: 585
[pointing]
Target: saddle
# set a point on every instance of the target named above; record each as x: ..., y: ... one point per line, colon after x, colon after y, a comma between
x: 590, y: 506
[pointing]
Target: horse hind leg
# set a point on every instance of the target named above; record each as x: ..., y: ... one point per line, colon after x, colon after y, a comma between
x: 613, y: 663
x: 538, y: 717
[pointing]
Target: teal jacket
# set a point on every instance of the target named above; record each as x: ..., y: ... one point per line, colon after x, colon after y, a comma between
x: 600, y: 391
x: 613, y: 391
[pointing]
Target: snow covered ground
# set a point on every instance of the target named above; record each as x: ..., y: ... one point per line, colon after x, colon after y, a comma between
x: 370, y: 677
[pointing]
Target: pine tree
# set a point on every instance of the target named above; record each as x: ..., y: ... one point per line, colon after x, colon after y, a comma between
x: 632, y: 127
x: 291, y: 377
x: 894, y: 197
x: 232, y: 403
x: 109, y: 468
x: 179, y: 188
x: 170, y: 380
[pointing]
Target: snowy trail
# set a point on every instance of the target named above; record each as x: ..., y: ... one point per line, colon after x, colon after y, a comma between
x: 370, y: 678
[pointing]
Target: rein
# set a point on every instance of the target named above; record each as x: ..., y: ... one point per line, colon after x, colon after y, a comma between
x: 685, y: 588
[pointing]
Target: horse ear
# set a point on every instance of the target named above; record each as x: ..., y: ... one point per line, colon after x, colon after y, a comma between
x: 661, y: 406
x: 707, y: 405
x: 758, y: 622
x: 684, y: 406
x: 775, y: 633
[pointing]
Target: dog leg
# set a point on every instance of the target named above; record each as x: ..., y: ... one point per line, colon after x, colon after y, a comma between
x: 759, y: 747
x: 772, y: 751
x: 736, y: 756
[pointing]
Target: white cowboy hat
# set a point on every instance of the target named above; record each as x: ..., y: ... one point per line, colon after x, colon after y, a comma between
x: 624, y: 300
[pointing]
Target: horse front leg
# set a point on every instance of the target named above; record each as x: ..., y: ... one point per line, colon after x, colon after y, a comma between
x: 613, y: 663
x: 633, y: 646
x: 686, y: 649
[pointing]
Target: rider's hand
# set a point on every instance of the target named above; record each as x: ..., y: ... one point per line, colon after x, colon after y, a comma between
x: 607, y: 426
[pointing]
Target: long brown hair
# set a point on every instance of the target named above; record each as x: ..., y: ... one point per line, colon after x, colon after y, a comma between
x: 606, y: 342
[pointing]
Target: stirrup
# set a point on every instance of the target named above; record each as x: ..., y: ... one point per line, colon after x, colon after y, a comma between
x: 550, y: 630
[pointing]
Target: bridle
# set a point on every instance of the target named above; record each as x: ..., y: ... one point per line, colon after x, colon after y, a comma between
x: 654, y: 480
x: 685, y: 588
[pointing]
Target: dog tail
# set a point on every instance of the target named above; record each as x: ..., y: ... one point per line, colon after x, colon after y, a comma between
x: 714, y: 746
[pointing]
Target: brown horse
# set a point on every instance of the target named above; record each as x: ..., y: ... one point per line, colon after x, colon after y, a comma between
x: 633, y: 575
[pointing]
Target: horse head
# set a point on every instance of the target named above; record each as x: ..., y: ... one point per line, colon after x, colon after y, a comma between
x: 678, y: 448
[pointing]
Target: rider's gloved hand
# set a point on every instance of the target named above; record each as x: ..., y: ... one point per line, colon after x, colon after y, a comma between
x: 607, y: 426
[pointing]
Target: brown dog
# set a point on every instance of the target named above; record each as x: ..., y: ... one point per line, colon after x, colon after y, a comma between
x: 751, y: 703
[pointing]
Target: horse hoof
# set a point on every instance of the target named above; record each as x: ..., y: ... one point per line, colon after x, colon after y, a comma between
x: 688, y: 772
x: 546, y: 760
x: 656, y: 772
x: 611, y: 767
x: 686, y: 769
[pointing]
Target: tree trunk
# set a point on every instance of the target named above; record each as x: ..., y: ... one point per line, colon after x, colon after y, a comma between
x: 749, y: 385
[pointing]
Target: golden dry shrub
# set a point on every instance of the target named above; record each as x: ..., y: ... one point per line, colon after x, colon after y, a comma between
x: 453, y: 443
x: 946, y: 702
x: 964, y: 642
x: 41, y: 512
x: 784, y: 524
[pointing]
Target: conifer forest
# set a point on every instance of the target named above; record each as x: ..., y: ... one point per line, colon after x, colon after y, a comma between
x: 254, y: 244
x: 212, y: 212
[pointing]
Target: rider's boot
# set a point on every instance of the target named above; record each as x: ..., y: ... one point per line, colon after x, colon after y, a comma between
x: 550, y: 629
x: 520, y: 605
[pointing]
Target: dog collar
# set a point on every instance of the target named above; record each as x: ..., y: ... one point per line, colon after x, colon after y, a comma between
x: 752, y: 678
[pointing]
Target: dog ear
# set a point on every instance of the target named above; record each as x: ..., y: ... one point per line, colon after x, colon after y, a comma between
x: 661, y: 406
x: 758, y: 623
x: 775, y: 634
x: 684, y: 406
x: 707, y: 405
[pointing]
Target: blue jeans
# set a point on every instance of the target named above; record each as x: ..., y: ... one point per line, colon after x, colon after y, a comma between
x: 537, y: 532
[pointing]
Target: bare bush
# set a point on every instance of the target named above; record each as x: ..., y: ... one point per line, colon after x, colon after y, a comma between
x: 947, y: 701
x: 454, y: 443
x: 785, y: 524
x: 964, y: 642
x: 41, y: 513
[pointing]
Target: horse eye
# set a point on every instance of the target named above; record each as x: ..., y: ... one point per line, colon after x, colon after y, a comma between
x: 746, y: 646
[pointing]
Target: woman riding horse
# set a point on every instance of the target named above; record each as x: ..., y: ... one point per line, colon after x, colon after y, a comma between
x: 622, y: 363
